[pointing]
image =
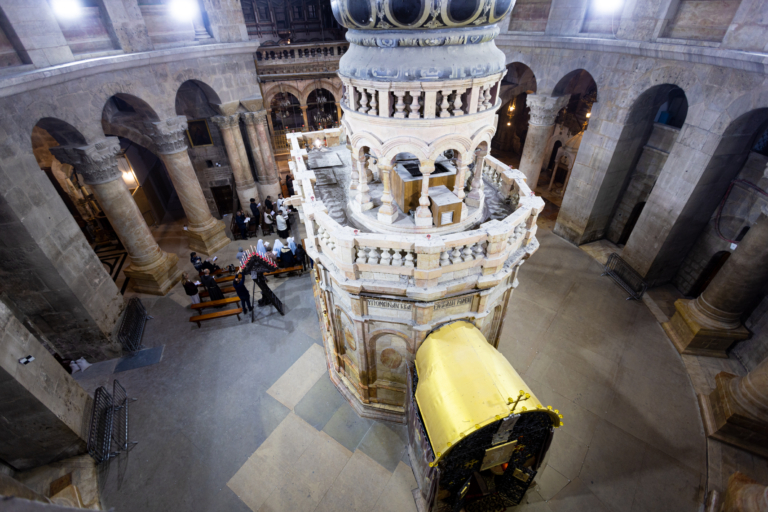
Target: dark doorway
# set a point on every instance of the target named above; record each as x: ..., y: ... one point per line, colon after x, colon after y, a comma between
x: 630, y: 225
x: 709, y: 273
x: 222, y: 196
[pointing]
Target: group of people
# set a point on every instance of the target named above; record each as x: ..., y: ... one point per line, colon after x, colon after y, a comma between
x: 272, y: 214
x: 283, y: 255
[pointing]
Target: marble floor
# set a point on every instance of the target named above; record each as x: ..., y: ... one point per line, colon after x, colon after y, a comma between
x: 241, y: 416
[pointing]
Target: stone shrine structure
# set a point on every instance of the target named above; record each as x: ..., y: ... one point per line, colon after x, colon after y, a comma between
x: 418, y: 250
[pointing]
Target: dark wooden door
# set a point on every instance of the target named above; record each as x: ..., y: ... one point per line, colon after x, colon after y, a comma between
x: 222, y: 196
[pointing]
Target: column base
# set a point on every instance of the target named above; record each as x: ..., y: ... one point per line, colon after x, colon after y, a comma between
x: 361, y: 207
x: 157, y: 279
x: 210, y: 240
x: 423, y: 218
x: 269, y: 189
x: 474, y: 202
x: 726, y: 422
x: 464, y: 211
x: 691, y: 336
x: 385, y: 216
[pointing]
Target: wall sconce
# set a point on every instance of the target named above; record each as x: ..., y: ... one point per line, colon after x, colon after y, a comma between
x: 129, y: 177
x: 589, y: 114
x: 509, y: 124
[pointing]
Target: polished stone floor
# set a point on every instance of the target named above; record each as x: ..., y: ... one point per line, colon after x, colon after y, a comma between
x: 241, y: 416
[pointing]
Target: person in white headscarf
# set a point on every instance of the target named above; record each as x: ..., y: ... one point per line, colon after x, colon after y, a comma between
x: 240, y: 255
x: 292, y: 245
x: 278, y: 247
x: 269, y: 254
x: 260, y: 248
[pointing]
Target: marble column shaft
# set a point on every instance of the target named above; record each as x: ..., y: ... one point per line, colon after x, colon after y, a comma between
x: 354, y: 178
x: 255, y: 125
x: 744, y: 495
x: 711, y: 323
x: 304, y: 115
x: 475, y: 196
x: 388, y: 211
x: 458, y: 188
x: 541, y: 126
x: 423, y: 216
x: 338, y: 112
x: 151, y: 269
x: 205, y: 233
x: 238, y: 159
x: 363, y: 199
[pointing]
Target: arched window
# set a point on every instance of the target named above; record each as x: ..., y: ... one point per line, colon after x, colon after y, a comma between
x: 321, y: 110
x: 286, y: 112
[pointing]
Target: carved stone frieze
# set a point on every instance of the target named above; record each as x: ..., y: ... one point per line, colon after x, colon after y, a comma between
x: 544, y: 109
x: 169, y: 135
x: 96, y: 163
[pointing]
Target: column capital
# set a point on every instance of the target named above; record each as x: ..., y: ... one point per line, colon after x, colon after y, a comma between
x: 252, y: 118
x: 97, y: 162
x: 544, y: 109
x: 170, y: 135
x: 427, y: 165
x: 227, y: 122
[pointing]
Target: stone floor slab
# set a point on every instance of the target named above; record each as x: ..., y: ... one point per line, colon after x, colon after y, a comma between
x: 383, y: 445
x: 346, y: 427
x: 291, y: 387
x: 320, y: 403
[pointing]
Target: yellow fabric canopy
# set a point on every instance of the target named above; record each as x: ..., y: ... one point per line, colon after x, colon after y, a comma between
x: 466, y: 384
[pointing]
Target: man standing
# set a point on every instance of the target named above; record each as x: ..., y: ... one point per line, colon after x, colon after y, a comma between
x: 254, y: 211
x: 214, y: 292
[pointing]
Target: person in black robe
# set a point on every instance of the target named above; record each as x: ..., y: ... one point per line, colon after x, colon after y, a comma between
x: 286, y: 259
x: 209, y: 265
x: 214, y: 292
x: 242, y: 292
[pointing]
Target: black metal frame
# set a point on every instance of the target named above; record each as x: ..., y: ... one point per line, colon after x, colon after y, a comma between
x: 132, y: 326
x: 109, y: 422
x: 625, y: 276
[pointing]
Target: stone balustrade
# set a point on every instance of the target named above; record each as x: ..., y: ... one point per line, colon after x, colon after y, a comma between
x: 422, y: 100
x: 503, y: 177
x: 416, y: 265
x: 301, y: 53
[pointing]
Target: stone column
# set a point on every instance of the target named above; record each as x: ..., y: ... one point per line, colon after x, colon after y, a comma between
x: 205, y: 234
x: 362, y: 199
x: 255, y: 124
x: 736, y: 412
x: 388, y: 211
x: 744, y: 495
x: 338, y: 112
x: 711, y: 323
x: 423, y: 217
x: 304, y: 115
x: 238, y: 159
x: 541, y: 126
x: 151, y: 270
x: 458, y: 188
x: 475, y: 196
x: 354, y: 177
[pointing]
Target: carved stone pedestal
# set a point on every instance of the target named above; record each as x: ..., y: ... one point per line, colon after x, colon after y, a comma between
x: 692, y: 334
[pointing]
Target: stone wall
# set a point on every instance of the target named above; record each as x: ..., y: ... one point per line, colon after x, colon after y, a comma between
x: 43, y: 411
x: 48, y: 269
x: 725, y: 91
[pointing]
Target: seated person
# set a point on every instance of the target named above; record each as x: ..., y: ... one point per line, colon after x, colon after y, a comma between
x: 286, y: 258
x: 210, y: 265
x: 197, y: 261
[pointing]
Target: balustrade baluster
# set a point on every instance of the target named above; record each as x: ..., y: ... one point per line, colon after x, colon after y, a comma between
x: 374, y: 111
x: 397, y: 258
x: 456, y: 255
x: 385, y: 256
x: 444, y: 105
x: 373, y: 256
x: 457, y: 110
x: 445, y: 259
x: 409, y: 259
x: 467, y: 253
x: 487, y: 97
x: 400, y: 104
x: 478, y: 250
x: 363, y: 102
x: 414, y: 108
x: 360, y: 255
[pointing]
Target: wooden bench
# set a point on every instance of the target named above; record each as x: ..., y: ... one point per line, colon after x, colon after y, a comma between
x: 225, y: 279
x: 297, y: 268
x: 214, y: 303
x: 219, y: 314
x: 229, y: 289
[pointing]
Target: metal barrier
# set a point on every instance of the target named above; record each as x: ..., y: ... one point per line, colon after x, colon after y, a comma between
x: 109, y: 422
x: 132, y: 326
x: 625, y: 276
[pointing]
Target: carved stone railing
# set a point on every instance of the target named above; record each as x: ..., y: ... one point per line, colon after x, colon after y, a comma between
x: 422, y: 100
x: 298, y: 59
x: 422, y: 266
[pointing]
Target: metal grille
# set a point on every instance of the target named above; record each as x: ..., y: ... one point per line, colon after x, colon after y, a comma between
x: 100, y: 434
x: 625, y: 276
x: 132, y: 326
x: 120, y: 416
x: 109, y: 422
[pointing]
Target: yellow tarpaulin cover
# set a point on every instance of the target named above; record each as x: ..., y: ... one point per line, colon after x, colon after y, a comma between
x: 465, y: 384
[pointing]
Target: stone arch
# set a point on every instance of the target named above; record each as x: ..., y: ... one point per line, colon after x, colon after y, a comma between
x: 518, y: 79
x: 391, y: 351
x: 64, y: 133
x: 271, y: 92
x: 131, y: 95
x: 197, y: 87
x: 364, y: 140
x: 560, y: 135
x: 39, y: 111
x: 190, y: 76
x: 450, y: 141
x: 573, y: 81
x: 484, y: 136
x: 404, y: 145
